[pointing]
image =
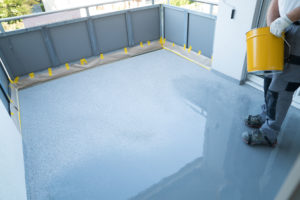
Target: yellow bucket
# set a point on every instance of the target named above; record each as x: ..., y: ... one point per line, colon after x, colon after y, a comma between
x: 265, y: 52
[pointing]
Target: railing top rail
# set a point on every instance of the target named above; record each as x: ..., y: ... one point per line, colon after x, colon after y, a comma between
x: 57, y: 11
x: 80, y: 7
x: 207, y: 2
x: 194, y: 12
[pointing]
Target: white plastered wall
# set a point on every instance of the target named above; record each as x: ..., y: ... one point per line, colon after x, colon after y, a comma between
x: 230, y: 40
x: 12, y: 174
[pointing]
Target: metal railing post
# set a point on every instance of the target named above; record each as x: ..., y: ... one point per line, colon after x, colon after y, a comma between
x: 211, y: 8
x: 162, y: 21
x: 87, y: 11
x: 129, y: 29
x: 92, y: 36
x: 50, y: 48
x: 1, y: 28
x: 186, y: 28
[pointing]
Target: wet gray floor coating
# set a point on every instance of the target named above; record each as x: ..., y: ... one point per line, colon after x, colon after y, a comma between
x: 150, y: 127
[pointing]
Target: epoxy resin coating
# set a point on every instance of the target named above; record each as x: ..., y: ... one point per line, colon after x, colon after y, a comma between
x: 154, y: 126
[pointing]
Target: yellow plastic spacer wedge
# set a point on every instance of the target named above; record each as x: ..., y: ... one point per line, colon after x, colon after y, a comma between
x: 11, y: 114
x: 161, y: 40
x: 190, y: 48
x: 211, y: 57
x: 164, y: 40
x: 31, y: 75
x: 101, y: 56
x: 16, y: 79
x: 184, y: 46
x: 11, y: 81
x: 199, y: 52
x: 141, y: 44
x: 50, y: 71
x: 83, y: 61
x: 148, y: 42
x: 125, y: 50
x: 67, y: 66
x: 173, y: 44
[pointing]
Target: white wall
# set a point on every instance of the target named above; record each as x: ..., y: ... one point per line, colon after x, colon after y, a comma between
x: 230, y: 39
x: 12, y: 175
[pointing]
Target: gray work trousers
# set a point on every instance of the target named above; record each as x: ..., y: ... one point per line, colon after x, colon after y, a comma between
x: 279, y: 89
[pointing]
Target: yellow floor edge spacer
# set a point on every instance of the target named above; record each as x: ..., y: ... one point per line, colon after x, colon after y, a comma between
x: 203, y: 66
x: 184, y: 46
x: 190, y: 48
x: 67, y: 66
x: 101, y: 56
x: 31, y: 75
x: 125, y: 50
x: 50, y: 71
x: 83, y: 61
x: 199, y: 52
x: 141, y: 44
x: 148, y: 42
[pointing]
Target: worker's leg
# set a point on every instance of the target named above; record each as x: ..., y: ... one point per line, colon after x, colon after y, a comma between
x: 278, y: 100
x: 256, y: 121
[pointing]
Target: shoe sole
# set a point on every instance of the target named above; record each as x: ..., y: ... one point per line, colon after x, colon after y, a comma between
x: 273, y: 145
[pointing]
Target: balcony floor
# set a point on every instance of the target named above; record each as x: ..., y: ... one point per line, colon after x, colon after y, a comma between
x: 150, y: 127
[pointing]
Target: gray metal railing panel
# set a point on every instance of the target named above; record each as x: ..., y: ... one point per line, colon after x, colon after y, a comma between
x: 71, y: 42
x: 37, y: 48
x: 201, y: 34
x: 174, y: 22
x: 145, y: 25
x: 4, y: 100
x: 111, y: 32
x: 3, y: 80
x: 25, y: 52
x: 4, y: 90
x: 7, y: 56
x: 190, y: 28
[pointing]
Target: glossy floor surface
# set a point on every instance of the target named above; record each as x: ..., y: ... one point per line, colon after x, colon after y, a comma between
x: 150, y: 127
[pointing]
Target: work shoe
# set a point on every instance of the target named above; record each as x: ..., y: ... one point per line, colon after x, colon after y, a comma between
x: 254, y: 121
x: 256, y: 137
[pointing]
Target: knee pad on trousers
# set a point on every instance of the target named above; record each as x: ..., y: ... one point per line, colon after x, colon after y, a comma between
x: 292, y: 87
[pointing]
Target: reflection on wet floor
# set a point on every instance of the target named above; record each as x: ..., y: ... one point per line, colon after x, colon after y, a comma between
x: 151, y: 127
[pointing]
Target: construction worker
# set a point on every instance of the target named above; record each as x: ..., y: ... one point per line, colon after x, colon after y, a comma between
x: 282, y: 16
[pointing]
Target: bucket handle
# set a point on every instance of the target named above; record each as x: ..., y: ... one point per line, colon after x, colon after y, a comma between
x: 289, y: 46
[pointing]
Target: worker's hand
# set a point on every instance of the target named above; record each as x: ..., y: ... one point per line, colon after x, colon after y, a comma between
x: 279, y: 25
